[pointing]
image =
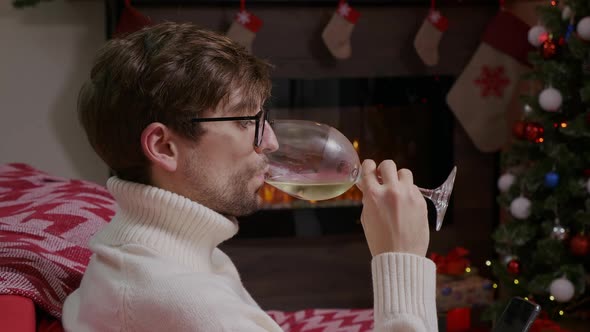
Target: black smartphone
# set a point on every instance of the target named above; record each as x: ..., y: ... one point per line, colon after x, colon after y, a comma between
x: 518, y: 316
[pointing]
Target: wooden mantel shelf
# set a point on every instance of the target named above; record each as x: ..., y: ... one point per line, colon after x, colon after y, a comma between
x: 354, y: 3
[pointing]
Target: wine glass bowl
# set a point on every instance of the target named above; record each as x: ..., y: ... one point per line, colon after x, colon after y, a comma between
x: 312, y: 156
x: 315, y: 161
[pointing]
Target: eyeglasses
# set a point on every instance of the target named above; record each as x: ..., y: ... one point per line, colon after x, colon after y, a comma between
x: 259, y: 131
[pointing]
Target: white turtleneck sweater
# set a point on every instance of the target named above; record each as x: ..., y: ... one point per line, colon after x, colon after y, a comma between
x: 156, y: 267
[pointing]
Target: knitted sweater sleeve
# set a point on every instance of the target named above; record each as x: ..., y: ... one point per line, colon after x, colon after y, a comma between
x: 404, y: 289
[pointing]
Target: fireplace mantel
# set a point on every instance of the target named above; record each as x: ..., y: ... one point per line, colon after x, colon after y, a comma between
x: 355, y: 3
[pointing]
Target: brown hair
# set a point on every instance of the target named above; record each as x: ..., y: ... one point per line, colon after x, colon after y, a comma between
x: 165, y: 73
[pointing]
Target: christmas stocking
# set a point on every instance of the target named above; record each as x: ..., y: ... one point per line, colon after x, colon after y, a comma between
x: 336, y: 34
x: 244, y: 28
x: 131, y: 20
x: 480, y: 96
x: 429, y: 36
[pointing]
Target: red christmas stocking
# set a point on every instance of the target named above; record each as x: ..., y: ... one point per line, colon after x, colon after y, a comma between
x: 480, y: 96
x: 429, y: 36
x: 131, y: 20
x: 336, y: 34
x: 244, y: 27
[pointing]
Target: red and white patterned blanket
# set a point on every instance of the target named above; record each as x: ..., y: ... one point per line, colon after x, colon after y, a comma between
x: 45, y: 224
x: 325, y: 320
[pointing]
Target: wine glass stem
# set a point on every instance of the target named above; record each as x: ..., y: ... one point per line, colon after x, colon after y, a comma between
x: 428, y: 193
x: 438, y: 196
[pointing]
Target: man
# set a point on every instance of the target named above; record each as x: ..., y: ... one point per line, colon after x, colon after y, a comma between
x: 176, y: 113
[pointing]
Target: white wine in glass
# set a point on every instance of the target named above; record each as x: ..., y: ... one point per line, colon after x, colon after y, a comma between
x: 317, y: 162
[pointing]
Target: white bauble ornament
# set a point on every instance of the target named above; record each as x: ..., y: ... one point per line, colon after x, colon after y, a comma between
x: 550, y: 99
x: 506, y: 181
x: 520, y: 208
x: 566, y: 13
x: 588, y: 186
x: 583, y: 28
x: 535, y: 34
x: 562, y: 289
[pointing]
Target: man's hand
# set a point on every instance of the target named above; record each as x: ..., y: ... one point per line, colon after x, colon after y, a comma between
x: 394, y: 217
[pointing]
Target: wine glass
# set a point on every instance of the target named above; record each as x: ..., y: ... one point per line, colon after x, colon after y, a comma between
x: 316, y: 162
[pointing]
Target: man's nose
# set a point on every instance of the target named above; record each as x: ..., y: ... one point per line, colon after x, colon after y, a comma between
x: 269, y: 140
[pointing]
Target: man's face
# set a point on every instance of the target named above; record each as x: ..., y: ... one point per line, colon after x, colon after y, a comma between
x: 223, y: 170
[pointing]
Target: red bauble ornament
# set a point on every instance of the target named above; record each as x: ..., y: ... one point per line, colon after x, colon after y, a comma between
x: 533, y: 132
x: 513, y: 267
x: 587, y: 172
x: 580, y: 245
x: 518, y: 129
x: 550, y: 49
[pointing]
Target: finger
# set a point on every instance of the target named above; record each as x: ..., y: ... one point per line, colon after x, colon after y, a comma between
x: 405, y: 176
x: 368, y: 175
x: 388, y: 171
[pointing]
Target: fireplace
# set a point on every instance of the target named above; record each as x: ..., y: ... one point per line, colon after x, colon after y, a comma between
x: 401, y: 118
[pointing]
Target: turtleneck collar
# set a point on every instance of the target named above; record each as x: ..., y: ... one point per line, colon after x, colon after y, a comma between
x: 166, y: 222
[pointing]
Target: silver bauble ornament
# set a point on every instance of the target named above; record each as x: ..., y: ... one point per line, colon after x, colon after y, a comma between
x: 558, y: 232
x: 527, y: 109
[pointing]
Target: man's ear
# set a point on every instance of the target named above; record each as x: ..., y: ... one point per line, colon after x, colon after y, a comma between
x: 159, y: 146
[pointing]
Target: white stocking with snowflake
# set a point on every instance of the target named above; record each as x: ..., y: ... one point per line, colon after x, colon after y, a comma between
x: 244, y: 28
x: 429, y: 35
x: 480, y: 96
x: 336, y: 34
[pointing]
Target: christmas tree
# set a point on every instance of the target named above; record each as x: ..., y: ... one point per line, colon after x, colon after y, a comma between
x: 544, y: 242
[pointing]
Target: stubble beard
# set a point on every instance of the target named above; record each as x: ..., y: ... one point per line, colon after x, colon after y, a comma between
x: 238, y: 200
x: 230, y: 196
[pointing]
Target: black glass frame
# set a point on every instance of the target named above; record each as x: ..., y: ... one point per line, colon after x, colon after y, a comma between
x: 259, y: 131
